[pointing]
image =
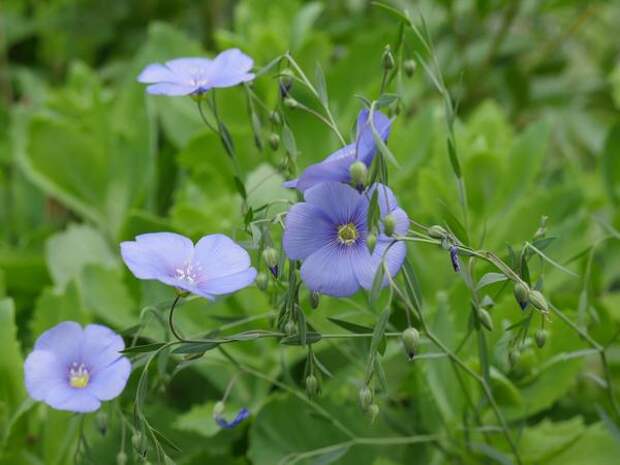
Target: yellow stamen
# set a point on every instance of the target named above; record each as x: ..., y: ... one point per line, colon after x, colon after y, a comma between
x: 347, y: 234
x: 78, y: 376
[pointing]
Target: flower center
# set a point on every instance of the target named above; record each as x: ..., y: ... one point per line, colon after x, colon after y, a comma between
x: 189, y: 273
x: 78, y: 376
x: 347, y: 234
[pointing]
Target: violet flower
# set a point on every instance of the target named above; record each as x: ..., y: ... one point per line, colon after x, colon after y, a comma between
x: 216, y: 265
x: 328, y: 233
x: 336, y: 166
x: 75, y: 369
x: 194, y: 76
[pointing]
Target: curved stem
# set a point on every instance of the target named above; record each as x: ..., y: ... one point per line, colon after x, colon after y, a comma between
x: 171, y: 324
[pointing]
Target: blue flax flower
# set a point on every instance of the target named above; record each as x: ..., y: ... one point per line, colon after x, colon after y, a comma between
x: 216, y: 265
x: 225, y: 424
x: 336, y: 166
x: 194, y: 76
x: 75, y: 369
x: 328, y: 233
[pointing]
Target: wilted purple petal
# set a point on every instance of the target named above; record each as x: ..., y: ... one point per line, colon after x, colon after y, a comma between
x: 308, y: 229
x: 241, y: 415
x: 454, y: 258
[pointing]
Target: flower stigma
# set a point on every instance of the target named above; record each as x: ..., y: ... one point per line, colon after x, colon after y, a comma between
x: 347, y: 234
x: 78, y: 376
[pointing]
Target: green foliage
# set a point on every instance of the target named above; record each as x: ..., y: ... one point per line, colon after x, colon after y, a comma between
x: 526, y: 125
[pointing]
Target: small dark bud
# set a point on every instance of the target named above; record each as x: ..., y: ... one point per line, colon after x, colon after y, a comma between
x: 271, y: 257
x: 314, y: 299
x: 521, y: 293
x: 373, y: 412
x: 291, y: 103
x: 101, y: 420
x: 359, y: 174
x: 262, y: 281
x: 371, y: 240
x: 274, y: 141
x: 285, y: 83
x: 454, y: 258
x: 275, y: 118
x: 365, y: 397
x: 437, y: 232
x: 485, y: 319
x: 514, y: 356
x: 410, y: 339
x: 121, y: 458
x: 312, y: 385
x: 409, y: 66
x: 537, y: 299
x: 541, y: 338
x: 388, y: 58
x: 389, y: 224
x: 290, y: 328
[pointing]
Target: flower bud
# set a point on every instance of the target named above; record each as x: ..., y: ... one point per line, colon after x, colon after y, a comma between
x: 275, y: 118
x: 411, y: 339
x: 371, y: 241
x: 121, y: 458
x: 514, y: 356
x: 389, y: 224
x: 291, y: 103
x: 262, y: 281
x: 314, y: 299
x: 388, y: 58
x: 270, y: 256
x: 285, y: 83
x: 274, y: 141
x: 290, y: 328
x: 538, y: 301
x: 312, y: 385
x: 541, y: 337
x: 437, y: 232
x: 485, y: 319
x: 373, y: 411
x: 365, y: 397
x: 218, y: 409
x: 409, y: 66
x: 521, y: 293
x: 359, y: 174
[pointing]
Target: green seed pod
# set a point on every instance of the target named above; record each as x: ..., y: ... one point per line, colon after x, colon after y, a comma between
x: 365, y: 397
x: 218, y: 408
x: 290, y: 328
x: 521, y: 293
x: 538, y: 300
x: 410, y: 339
x: 514, y: 356
x: 388, y: 58
x: 389, y: 223
x: 291, y: 103
x: 136, y: 441
x: 485, y: 319
x: 312, y: 385
x: 359, y: 174
x: 373, y: 412
x: 274, y: 141
x: 275, y: 118
x: 437, y: 232
x: 314, y: 299
x: 409, y: 66
x: 262, y: 281
x: 371, y: 241
x: 271, y: 257
x: 541, y: 337
x: 121, y: 458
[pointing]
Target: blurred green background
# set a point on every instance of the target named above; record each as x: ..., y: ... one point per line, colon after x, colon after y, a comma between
x: 87, y: 160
